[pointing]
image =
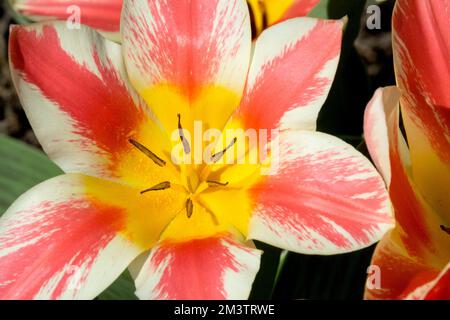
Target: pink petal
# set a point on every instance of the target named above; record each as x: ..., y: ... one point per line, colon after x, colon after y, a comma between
x: 325, y: 198
x: 211, y: 268
x: 189, y: 44
x: 417, y: 244
x: 291, y: 74
x: 397, y: 268
x: 388, y: 148
x: 74, y: 89
x: 103, y: 15
x: 422, y: 61
x: 436, y: 289
x: 60, y: 241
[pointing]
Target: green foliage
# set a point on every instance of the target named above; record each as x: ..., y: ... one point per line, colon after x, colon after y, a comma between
x: 21, y: 167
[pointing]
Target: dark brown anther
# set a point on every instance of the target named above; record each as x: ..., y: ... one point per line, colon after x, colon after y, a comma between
x: 265, y: 19
x: 252, y: 21
x: 189, y: 207
x: 186, y: 146
x: 160, y: 162
x: 217, y: 156
x: 160, y: 186
x: 213, y: 183
x: 445, y: 229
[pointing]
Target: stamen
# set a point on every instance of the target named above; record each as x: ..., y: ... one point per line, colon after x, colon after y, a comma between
x: 157, y: 160
x: 160, y: 186
x: 252, y: 21
x: 445, y: 229
x: 217, y: 156
x: 265, y: 19
x: 189, y: 207
x: 213, y: 183
x: 186, y: 147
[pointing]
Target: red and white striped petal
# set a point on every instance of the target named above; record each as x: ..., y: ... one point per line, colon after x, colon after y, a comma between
x: 376, y: 133
x: 422, y: 61
x: 436, y: 289
x: 291, y: 73
x: 419, y: 225
x: 103, y: 15
x: 73, y: 87
x: 324, y: 198
x: 62, y: 240
x: 188, y: 44
x: 219, y: 267
x: 397, y: 269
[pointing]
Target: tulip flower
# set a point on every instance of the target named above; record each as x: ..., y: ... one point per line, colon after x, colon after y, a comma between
x: 106, y: 114
x: 104, y: 15
x: 417, y: 172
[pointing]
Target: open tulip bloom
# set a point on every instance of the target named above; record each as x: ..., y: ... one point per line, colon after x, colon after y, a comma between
x: 414, y: 258
x: 121, y: 122
x: 104, y: 15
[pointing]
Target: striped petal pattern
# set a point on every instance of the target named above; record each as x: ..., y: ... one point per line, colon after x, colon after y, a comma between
x: 74, y: 89
x: 187, y: 43
x: 291, y: 74
x: 103, y: 15
x: 188, y: 57
x: 61, y: 241
x: 436, y: 289
x: 325, y: 198
x: 211, y: 268
x: 423, y: 73
x: 417, y: 244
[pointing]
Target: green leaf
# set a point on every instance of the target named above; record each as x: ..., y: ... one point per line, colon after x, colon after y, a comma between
x: 21, y: 167
x: 122, y: 289
x: 15, y: 15
x: 321, y: 10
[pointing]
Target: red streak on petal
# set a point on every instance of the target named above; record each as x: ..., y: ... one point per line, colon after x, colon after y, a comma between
x: 291, y: 79
x: 307, y: 190
x: 99, y: 14
x: 102, y: 108
x: 397, y: 270
x: 67, y: 234
x: 423, y: 67
x: 195, y: 268
x: 181, y: 43
x: 409, y: 212
x: 441, y: 291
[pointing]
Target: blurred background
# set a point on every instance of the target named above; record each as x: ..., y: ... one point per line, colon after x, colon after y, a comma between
x: 366, y: 64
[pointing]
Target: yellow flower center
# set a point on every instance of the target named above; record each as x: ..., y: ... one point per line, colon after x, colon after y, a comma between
x: 207, y: 193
